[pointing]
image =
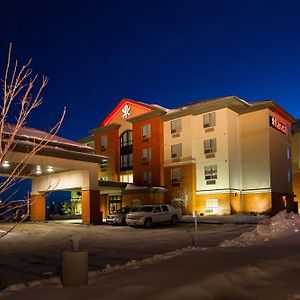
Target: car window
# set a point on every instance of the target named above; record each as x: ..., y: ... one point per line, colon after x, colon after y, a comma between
x: 157, y: 209
x: 146, y: 208
x: 164, y: 208
x: 133, y: 209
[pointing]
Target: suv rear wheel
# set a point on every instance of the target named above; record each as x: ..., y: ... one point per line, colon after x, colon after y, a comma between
x: 148, y: 223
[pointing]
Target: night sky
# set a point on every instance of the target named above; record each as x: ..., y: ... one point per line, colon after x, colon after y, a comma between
x: 164, y: 52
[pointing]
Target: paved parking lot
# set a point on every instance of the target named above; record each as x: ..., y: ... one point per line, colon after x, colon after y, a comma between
x: 33, y: 251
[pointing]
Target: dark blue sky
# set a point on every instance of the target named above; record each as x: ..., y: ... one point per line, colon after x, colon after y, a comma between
x: 165, y: 52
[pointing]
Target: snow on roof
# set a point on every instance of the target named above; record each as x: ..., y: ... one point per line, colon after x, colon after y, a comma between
x: 157, y: 106
x: 32, y: 133
x: 204, y: 102
x: 66, y: 151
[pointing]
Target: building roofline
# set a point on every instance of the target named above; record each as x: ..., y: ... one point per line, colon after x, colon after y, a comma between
x: 58, y: 152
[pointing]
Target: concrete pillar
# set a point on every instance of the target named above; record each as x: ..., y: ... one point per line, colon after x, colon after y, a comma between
x: 38, y: 207
x: 90, y: 203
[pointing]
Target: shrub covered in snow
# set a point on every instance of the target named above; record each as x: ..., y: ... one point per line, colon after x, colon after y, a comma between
x: 272, y: 228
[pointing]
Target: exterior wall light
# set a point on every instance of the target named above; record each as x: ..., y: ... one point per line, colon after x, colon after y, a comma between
x: 5, y: 164
x: 50, y: 169
x: 38, y: 170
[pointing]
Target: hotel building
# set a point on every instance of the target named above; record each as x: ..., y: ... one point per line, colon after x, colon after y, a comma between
x: 217, y: 156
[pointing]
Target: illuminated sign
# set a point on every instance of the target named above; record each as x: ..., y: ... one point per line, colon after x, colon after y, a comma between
x: 278, y: 125
x: 125, y: 107
x: 126, y: 111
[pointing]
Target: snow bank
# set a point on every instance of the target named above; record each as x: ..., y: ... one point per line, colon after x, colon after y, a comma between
x: 136, y: 264
x: 55, y: 282
x: 272, y: 228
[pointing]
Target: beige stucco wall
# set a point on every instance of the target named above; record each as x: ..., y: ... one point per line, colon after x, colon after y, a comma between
x: 184, y: 137
x: 255, y: 150
x: 223, y: 135
x: 74, y: 174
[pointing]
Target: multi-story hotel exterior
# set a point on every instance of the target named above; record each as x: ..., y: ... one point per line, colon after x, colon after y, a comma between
x: 222, y: 155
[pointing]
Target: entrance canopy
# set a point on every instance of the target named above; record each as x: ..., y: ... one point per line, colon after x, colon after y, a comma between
x: 60, y: 164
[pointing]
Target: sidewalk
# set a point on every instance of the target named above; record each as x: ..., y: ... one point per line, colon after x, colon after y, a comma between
x: 236, y: 219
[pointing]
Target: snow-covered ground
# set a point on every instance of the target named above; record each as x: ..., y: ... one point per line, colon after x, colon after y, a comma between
x: 264, y: 263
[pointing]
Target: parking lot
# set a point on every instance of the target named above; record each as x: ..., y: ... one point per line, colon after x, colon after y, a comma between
x: 34, y: 250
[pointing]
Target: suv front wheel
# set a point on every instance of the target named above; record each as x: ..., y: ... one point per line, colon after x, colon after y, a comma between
x: 174, y: 220
x: 148, y: 223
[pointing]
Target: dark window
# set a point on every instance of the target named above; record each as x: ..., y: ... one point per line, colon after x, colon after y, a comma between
x: 164, y: 208
x: 126, y: 150
x: 157, y: 209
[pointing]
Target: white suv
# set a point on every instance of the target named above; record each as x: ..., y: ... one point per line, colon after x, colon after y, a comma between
x: 152, y: 214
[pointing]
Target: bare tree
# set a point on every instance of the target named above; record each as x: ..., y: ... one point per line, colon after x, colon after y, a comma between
x: 183, y: 197
x: 21, y: 95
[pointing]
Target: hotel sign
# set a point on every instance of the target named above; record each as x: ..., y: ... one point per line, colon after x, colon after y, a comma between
x: 278, y: 125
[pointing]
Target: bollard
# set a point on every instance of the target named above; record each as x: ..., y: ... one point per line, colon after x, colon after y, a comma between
x: 75, y: 265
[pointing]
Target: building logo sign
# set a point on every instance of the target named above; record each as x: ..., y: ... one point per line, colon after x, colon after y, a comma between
x: 126, y: 111
x: 278, y: 125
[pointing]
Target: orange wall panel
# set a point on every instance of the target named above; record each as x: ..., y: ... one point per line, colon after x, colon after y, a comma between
x: 112, y: 152
x: 90, y: 206
x: 257, y: 202
x: 155, y: 142
x: 187, y: 185
x: 38, y: 208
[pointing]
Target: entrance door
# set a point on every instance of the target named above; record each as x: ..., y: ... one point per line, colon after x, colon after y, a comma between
x: 114, y: 203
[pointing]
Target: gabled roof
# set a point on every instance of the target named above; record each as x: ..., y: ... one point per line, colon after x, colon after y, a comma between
x: 124, y: 101
x: 234, y: 103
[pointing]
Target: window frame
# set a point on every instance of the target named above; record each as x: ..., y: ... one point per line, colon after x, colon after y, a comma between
x: 174, y: 152
x: 209, y: 120
x: 148, y: 178
x: 126, y: 138
x: 146, y: 154
x: 175, y: 126
x: 146, y: 131
x: 177, y: 177
x: 212, y: 146
x: 103, y: 142
x: 211, y: 172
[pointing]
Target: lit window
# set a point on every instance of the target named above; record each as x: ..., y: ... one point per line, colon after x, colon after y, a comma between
x: 103, y: 141
x: 209, y: 120
x: 176, y: 126
x: 211, y: 172
x: 176, y: 150
x: 105, y: 178
x: 147, y: 177
x: 288, y: 152
x: 146, y: 154
x: 210, y: 146
x: 103, y: 164
x: 176, y: 175
x: 211, y: 206
x: 126, y: 178
x: 146, y: 131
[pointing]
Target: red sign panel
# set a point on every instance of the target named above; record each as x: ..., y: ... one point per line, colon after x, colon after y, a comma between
x: 278, y: 125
